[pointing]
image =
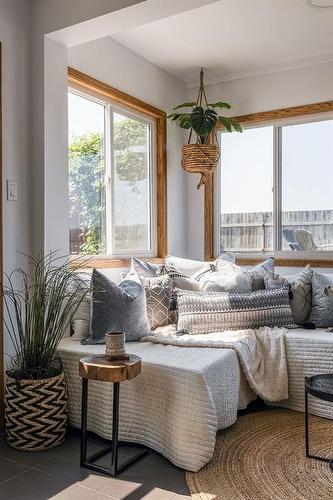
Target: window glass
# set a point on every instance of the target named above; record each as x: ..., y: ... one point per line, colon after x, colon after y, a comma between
x: 110, y: 179
x: 246, y: 209
x: 131, y: 184
x: 86, y: 175
x: 307, y: 186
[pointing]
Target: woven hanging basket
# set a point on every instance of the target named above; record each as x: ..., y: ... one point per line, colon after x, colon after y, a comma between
x: 200, y: 159
x: 36, y: 413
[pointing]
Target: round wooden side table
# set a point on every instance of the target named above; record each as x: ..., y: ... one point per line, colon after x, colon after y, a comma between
x: 116, y: 371
x: 321, y: 387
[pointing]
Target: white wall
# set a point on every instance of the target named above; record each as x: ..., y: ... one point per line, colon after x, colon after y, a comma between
x: 14, y: 35
x: 111, y: 62
x: 260, y: 93
x: 56, y: 206
x: 48, y: 16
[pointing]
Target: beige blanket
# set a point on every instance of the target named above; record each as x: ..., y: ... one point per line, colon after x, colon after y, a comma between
x: 261, y: 353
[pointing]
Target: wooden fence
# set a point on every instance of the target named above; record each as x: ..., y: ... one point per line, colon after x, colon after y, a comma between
x: 241, y: 232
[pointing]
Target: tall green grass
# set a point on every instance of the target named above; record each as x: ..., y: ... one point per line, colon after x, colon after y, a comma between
x: 38, y: 307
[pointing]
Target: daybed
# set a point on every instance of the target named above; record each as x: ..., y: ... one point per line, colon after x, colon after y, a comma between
x: 185, y: 395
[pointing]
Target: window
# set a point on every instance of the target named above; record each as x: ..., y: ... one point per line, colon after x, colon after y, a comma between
x: 276, y: 188
x: 113, y: 163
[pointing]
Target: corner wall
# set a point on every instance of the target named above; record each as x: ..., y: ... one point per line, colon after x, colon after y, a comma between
x: 14, y: 35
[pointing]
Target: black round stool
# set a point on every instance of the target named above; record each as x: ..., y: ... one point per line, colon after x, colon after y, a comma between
x: 321, y: 387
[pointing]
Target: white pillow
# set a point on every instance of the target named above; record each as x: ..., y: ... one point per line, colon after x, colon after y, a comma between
x: 81, y: 320
x: 229, y: 278
x: 188, y: 267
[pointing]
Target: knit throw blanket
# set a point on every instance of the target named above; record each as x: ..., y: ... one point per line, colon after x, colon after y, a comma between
x: 261, y: 353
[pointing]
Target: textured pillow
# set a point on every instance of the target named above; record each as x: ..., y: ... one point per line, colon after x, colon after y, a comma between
x: 273, y: 280
x: 203, y: 312
x: 322, y: 300
x: 229, y: 278
x: 117, y: 308
x: 158, y: 300
x: 258, y: 273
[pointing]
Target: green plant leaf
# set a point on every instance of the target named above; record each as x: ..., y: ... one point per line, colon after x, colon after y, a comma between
x: 184, y: 120
x: 220, y: 104
x: 229, y: 124
x: 190, y: 104
x: 203, y: 120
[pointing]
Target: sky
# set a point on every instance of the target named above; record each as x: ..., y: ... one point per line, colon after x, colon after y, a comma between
x: 307, y: 168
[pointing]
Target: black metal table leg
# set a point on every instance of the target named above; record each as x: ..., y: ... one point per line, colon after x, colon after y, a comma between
x: 88, y: 463
x: 84, y: 407
x: 306, y: 421
x: 306, y: 424
x: 115, y: 427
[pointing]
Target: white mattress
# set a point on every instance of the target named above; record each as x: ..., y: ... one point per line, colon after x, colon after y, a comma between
x: 309, y: 352
x: 175, y: 406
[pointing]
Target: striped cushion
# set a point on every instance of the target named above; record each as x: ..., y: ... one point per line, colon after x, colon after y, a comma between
x: 207, y: 312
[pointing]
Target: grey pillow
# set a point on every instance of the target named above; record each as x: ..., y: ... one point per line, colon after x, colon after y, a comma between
x: 208, y: 312
x: 322, y: 300
x: 117, y: 308
x: 147, y: 269
x: 301, y: 296
x: 259, y: 272
x: 301, y: 302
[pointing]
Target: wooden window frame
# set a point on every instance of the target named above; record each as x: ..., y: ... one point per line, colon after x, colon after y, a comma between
x: 97, y: 88
x: 260, y: 119
x: 2, y: 367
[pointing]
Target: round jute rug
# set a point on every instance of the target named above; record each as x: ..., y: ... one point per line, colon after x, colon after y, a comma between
x: 262, y: 457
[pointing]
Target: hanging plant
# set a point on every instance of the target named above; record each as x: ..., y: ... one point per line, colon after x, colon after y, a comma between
x: 202, y: 157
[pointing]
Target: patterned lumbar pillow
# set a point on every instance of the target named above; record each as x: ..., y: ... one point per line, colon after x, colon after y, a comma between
x: 322, y: 300
x: 208, y: 312
x: 117, y: 308
x: 158, y: 300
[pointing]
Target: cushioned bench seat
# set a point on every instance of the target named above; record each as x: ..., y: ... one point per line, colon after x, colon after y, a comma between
x: 175, y: 406
x: 309, y: 352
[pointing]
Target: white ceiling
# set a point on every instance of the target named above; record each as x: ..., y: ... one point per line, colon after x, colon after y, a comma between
x: 236, y: 38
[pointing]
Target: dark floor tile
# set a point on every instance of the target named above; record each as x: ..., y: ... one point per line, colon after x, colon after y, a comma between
x: 33, y: 458
x: 155, y: 458
x: 32, y: 485
x: 9, y: 469
x: 153, y: 479
x: 67, y: 466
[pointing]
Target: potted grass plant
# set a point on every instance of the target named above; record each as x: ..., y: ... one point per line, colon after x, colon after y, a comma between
x: 39, y: 304
x: 201, y: 118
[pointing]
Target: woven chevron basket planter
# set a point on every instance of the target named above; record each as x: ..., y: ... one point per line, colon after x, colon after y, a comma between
x: 36, y: 413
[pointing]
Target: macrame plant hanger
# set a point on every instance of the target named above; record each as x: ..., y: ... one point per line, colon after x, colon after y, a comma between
x: 197, y: 157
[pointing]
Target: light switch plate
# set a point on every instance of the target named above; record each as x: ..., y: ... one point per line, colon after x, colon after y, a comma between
x: 11, y: 190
